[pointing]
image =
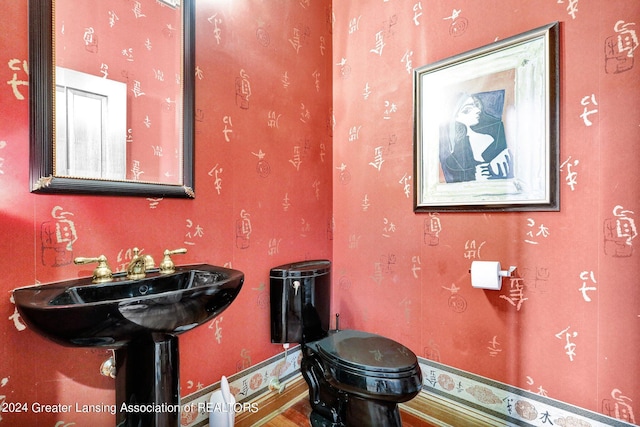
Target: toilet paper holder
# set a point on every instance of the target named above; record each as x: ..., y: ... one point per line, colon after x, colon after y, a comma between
x: 488, y: 274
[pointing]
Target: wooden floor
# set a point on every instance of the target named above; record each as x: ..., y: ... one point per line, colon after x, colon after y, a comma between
x: 298, y: 416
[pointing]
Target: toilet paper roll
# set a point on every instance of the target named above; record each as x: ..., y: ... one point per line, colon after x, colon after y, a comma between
x: 486, y: 275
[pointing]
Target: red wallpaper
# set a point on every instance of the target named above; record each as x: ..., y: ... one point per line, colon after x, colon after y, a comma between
x: 567, y: 325
x: 263, y: 198
x: 304, y: 150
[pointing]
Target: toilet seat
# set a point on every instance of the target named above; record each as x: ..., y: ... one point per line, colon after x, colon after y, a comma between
x: 368, y: 364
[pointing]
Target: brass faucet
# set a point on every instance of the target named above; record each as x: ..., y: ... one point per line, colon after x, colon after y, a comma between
x: 139, y: 264
x: 167, y: 266
x: 137, y: 268
x: 102, y: 273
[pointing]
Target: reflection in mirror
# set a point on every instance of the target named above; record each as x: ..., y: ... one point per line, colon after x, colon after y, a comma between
x: 112, y: 97
x: 91, y: 120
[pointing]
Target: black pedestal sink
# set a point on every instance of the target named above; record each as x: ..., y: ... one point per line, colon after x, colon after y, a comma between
x: 140, y: 320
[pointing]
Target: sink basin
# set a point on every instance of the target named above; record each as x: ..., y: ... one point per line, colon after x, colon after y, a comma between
x: 79, y: 313
x: 140, y: 320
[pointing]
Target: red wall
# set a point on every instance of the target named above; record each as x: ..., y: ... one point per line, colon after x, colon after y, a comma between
x: 277, y: 179
x: 396, y: 277
x: 390, y: 275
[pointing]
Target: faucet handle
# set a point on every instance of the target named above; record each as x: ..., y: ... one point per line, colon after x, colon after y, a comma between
x: 167, y: 266
x: 102, y: 273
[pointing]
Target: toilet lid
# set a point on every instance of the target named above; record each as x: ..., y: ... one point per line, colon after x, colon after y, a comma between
x: 367, y: 351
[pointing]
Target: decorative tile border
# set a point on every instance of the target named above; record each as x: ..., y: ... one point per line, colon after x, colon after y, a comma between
x: 245, y: 385
x: 515, y: 406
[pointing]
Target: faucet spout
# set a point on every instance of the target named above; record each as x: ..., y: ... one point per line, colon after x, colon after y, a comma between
x: 137, y: 267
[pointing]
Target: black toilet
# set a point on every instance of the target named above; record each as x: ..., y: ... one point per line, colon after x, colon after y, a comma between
x: 355, y: 378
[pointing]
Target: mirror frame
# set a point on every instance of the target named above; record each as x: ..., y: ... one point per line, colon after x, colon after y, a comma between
x: 42, y: 114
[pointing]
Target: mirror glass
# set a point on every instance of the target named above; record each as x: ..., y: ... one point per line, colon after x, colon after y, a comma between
x: 112, y: 97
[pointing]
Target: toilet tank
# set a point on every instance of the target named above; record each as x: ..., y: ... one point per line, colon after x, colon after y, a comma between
x: 300, y: 295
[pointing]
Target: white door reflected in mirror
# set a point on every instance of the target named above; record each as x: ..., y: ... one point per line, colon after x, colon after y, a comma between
x: 91, y: 119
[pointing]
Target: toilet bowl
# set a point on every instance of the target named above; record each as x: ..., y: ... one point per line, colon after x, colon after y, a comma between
x: 354, y: 377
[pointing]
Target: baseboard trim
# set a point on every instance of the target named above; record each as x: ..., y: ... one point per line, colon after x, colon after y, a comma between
x: 432, y: 409
x: 436, y: 405
x: 271, y: 403
x: 441, y: 412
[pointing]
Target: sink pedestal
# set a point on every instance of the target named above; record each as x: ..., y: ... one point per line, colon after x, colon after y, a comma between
x: 147, y: 382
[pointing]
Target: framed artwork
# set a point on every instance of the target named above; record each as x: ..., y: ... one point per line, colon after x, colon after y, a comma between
x: 486, y: 127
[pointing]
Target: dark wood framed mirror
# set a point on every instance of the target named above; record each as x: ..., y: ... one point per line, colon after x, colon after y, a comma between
x: 131, y: 63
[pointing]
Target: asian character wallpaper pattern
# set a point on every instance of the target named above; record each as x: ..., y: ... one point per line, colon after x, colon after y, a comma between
x: 304, y: 149
x: 554, y: 327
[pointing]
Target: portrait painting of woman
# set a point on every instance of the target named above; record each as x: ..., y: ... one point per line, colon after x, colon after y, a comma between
x: 486, y: 127
x: 473, y: 146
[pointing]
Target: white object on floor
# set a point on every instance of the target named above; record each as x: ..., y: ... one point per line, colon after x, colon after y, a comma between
x: 221, y: 406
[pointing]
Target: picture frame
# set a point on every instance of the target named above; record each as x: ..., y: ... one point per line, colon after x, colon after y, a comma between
x: 486, y: 127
